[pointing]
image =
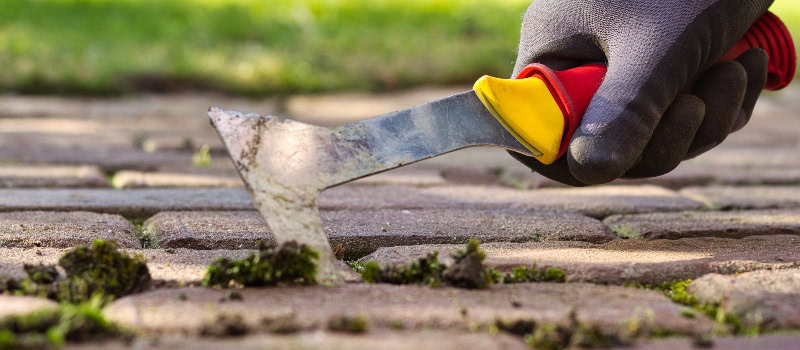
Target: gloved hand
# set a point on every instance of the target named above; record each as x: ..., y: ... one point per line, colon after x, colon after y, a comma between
x: 665, y: 97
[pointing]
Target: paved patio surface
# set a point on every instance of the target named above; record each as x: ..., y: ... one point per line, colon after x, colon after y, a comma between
x: 74, y: 170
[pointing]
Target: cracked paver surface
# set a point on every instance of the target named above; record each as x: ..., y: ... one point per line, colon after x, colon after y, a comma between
x: 75, y: 170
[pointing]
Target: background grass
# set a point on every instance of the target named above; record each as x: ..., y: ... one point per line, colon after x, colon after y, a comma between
x: 258, y: 47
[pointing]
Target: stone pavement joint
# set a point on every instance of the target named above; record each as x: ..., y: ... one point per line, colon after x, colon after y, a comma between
x: 624, y: 261
x: 732, y: 224
x: 27, y: 229
x: 360, y: 232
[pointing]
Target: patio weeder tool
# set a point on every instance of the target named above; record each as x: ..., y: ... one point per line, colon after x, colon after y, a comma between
x: 286, y: 164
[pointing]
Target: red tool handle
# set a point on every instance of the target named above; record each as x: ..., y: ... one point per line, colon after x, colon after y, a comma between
x: 574, y: 88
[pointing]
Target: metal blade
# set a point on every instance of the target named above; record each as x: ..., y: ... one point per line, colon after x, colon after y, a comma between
x: 418, y: 133
x: 286, y: 164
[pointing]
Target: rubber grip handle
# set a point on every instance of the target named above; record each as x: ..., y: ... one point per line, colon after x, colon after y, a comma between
x: 574, y: 88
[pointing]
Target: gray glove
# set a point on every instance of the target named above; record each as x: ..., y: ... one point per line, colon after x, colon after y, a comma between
x: 665, y: 98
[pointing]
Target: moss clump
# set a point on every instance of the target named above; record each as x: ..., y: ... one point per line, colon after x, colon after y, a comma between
x: 99, y: 269
x: 468, y: 270
x: 52, y: 327
x: 523, y: 274
x: 348, y: 324
x: 290, y: 263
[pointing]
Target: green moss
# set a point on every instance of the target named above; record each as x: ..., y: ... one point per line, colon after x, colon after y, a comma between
x: 290, y: 263
x: 523, y: 274
x: 626, y: 231
x: 146, y: 238
x: 426, y: 270
x: 53, y: 327
x: 348, y: 324
x: 101, y: 268
x: 467, y: 271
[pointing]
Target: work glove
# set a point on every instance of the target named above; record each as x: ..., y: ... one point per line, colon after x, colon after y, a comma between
x: 665, y: 98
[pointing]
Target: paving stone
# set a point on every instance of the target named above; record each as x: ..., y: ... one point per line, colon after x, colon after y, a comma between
x: 136, y: 179
x: 107, y: 159
x: 622, y: 261
x: 385, y: 340
x: 12, y: 305
x: 767, y: 298
x: 185, y: 266
x: 762, y: 342
x: 600, y: 201
x: 131, y: 203
x: 691, y: 174
x: 26, y: 175
x: 715, y: 288
x: 414, y: 307
x: 360, y: 232
x: 753, y: 197
x: 411, y: 176
x: 733, y: 224
x: 26, y: 229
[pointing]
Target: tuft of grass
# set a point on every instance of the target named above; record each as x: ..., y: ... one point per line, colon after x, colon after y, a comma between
x: 289, y: 263
x: 202, y: 157
x: 51, y: 328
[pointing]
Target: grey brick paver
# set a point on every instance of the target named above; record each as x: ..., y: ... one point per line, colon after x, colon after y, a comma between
x: 767, y: 298
x: 622, y: 261
x: 411, y: 306
x: 384, y: 340
x: 752, y: 197
x: 362, y: 231
x: 133, y: 202
x: 733, y: 224
x: 600, y: 201
x: 12, y: 305
x: 63, y: 229
x: 137, y: 179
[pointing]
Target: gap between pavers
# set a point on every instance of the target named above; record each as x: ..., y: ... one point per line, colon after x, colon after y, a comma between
x: 609, y: 308
x: 360, y: 232
x: 626, y: 261
x: 26, y: 229
x: 728, y: 224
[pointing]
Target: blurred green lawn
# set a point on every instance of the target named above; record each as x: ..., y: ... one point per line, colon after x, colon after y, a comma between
x: 258, y: 47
